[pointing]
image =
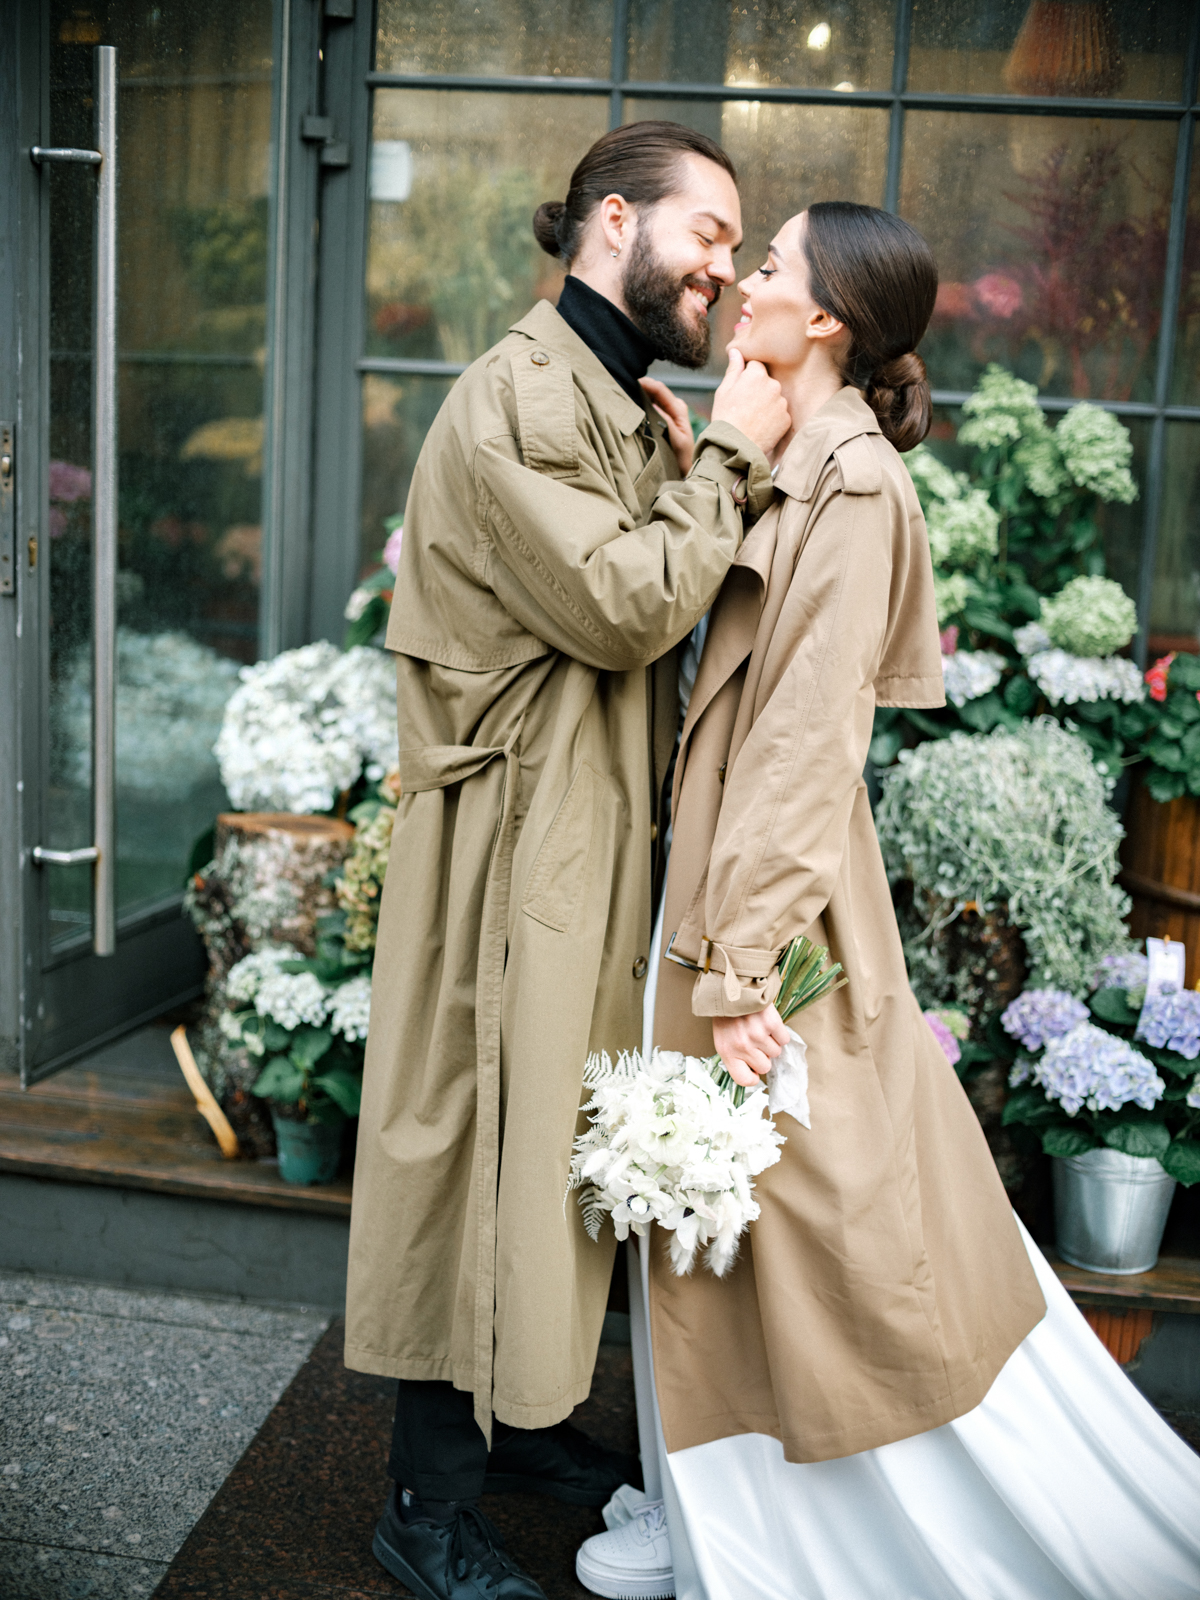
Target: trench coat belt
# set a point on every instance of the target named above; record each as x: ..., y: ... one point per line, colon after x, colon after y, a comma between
x: 437, y: 767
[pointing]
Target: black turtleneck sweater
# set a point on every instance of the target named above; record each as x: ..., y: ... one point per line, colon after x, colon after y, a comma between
x: 612, y: 338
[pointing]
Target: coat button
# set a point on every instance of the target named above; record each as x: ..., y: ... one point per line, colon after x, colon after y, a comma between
x: 639, y: 967
x: 721, y: 772
x: 653, y: 832
x: 540, y: 358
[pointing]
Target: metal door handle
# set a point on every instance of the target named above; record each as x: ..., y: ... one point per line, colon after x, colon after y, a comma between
x: 63, y: 858
x: 104, y: 509
x: 104, y: 512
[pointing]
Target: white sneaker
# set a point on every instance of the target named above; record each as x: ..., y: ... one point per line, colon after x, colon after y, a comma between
x: 631, y: 1561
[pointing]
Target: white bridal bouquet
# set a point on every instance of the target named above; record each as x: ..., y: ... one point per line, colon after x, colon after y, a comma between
x: 674, y: 1140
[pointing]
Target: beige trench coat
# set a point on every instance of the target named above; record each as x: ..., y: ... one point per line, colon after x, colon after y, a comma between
x: 885, y: 1283
x: 548, y: 562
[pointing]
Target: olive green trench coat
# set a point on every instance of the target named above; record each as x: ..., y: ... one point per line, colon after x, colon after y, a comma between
x: 551, y: 557
x: 885, y: 1283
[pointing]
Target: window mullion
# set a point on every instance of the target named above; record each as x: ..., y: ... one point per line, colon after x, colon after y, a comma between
x: 620, y: 62
x: 891, y: 187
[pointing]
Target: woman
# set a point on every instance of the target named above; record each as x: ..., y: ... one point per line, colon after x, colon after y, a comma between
x: 889, y: 1395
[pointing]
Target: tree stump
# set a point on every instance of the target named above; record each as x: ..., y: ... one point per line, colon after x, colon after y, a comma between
x: 268, y: 883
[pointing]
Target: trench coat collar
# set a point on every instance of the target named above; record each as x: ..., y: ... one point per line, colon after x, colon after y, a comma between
x: 844, y: 417
x: 544, y: 325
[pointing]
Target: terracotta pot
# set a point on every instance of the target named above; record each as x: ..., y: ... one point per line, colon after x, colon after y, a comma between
x: 1160, y: 861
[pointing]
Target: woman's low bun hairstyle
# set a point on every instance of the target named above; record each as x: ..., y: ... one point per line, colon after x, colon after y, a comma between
x: 875, y: 273
x: 639, y: 161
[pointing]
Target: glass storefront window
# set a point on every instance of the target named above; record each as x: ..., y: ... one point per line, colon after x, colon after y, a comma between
x: 787, y: 157
x: 194, y: 105
x: 1175, y: 599
x: 571, y: 38
x: 1051, y: 238
x: 1120, y: 49
x: 397, y: 413
x: 830, y: 44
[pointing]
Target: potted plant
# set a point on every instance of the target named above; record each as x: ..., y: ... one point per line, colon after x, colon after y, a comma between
x: 1112, y: 1090
x: 306, y: 1020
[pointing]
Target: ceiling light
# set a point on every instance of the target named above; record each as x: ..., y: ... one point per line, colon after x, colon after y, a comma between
x: 819, y: 38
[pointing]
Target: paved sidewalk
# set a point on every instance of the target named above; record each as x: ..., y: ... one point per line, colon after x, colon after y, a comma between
x: 121, y: 1415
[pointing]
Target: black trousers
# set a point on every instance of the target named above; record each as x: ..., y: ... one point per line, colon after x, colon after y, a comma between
x: 438, y: 1449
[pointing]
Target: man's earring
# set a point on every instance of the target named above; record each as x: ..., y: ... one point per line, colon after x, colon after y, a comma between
x: 615, y: 253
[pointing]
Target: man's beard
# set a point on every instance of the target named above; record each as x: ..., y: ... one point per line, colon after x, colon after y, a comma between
x: 654, y: 296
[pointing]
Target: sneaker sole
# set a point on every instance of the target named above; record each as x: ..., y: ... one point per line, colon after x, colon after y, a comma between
x: 610, y: 1587
x: 392, y: 1561
x: 513, y: 1483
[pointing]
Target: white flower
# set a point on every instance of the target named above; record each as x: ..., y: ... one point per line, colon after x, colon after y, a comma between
x: 1031, y: 639
x: 964, y: 530
x: 358, y: 602
x: 350, y: 1008
x: 302, y: 727
x: 666, y: 1144
x: 1096, y: 450
x: 967, y: 674
x: 171, y: 694
x: 248, y: 975
x: 292, y: 999
x: 950, y: 594
x: 1064, y: 678
x: 1193, y: 1094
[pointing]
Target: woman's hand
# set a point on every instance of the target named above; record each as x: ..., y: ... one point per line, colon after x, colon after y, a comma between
x: 748, y: 1045
x: 751, y: 399
x: 674, y: 413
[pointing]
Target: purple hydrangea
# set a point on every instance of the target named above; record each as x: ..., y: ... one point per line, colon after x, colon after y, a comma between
x: 1088, y: 1067
x: 1171, y: 1021
x: 1127, y: 971
x: 944, y: 1037
x: 1039, y: 1015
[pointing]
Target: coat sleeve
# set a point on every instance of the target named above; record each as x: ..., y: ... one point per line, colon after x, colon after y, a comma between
x: 567, y: 560
x: 788, y: 795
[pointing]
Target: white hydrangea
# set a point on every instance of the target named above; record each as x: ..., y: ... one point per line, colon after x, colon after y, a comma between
x: 964, y: 530
x: 1096, y: 450
x: 350, y: 1008
x: 932, y: 479
x: 1031, y: 639
x: 171, y: 695
x: 301, y: 728
x: 252, y: 971
x: 1067, y: 679
x: 951, y: 591
x: 1002, y: 410
x: 292, y: 999
x: 967, y: 674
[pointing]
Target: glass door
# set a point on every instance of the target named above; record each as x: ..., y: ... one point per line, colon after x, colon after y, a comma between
x: 148, y: 553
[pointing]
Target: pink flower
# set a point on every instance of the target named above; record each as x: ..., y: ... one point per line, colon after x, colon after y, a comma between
x: 954, y: 300
x: 944, y: 1037
x: 1156, y: 677
x: 391, y: 550
x: 948, y: 639
x: 68, y: 482
x: 998, y: 294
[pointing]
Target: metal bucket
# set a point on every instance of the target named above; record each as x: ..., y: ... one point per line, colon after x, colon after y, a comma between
x: 1110, y: 1210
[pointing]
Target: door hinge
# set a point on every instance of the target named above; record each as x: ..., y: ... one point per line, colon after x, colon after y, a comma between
x: 335, y: 154
x: 339, y: 10
x: 8, y: 512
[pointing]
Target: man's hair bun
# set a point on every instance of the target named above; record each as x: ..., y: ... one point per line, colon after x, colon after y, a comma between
x: 546, y: 220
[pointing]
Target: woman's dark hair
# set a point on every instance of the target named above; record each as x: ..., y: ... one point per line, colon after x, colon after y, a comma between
x: 639, y: 161
x: 876, y: 274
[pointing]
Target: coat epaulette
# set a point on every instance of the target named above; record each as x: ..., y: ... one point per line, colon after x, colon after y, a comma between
x: 859, y: 466
x: 545, y: 395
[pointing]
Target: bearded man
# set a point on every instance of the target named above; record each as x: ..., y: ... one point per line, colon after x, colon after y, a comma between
x: 552, y: 559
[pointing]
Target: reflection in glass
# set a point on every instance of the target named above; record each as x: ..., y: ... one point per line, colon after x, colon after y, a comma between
x: 193, y: 129
x: 830, y: 44
x: 787, y: 157
x: 1051, y: 237
x: 397, y: 414
x: 1175, y: 598
x: 453, y: 264
x: 571, y: 38
x: 1185, y: 386
x: 1125, y: 49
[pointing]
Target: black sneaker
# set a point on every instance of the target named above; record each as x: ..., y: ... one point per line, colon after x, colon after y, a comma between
x: 560, y: 1462
x: 461, y: 1559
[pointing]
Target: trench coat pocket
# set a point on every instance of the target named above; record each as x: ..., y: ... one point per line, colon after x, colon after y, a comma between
x: 559, y: 869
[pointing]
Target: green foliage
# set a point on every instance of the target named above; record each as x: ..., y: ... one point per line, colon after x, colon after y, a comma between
x: 224, y: 249
x: 1166, y: 729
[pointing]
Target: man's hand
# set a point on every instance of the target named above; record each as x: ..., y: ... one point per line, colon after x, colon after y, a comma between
x: 753, y: 402
x: 748, y: 1045
x: 674, y: 413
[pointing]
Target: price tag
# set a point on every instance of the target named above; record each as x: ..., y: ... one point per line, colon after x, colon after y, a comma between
x: 1168, y: 960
